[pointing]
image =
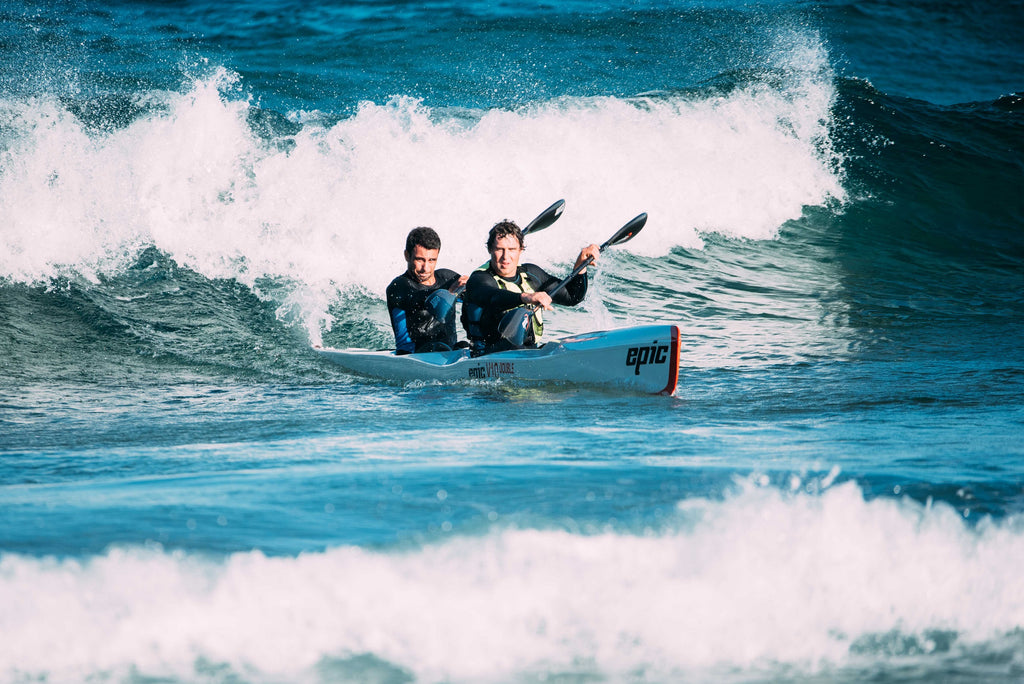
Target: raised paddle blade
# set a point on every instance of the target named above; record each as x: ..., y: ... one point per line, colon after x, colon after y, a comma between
x: 514, y: 326
x: 623, y: 234
x: 627, y: 232
x: 546, y: 218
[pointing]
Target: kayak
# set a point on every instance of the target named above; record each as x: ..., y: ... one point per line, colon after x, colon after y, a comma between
x: 643, y: 358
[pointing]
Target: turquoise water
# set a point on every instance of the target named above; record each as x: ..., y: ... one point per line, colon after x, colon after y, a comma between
x: 192, y: 194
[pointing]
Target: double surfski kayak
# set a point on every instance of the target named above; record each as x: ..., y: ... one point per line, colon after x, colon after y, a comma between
x: 642, y: 359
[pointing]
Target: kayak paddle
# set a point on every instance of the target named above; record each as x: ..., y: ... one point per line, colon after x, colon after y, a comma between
x: 516, y: 322
x: 440, y: 301
x: 546, y: 218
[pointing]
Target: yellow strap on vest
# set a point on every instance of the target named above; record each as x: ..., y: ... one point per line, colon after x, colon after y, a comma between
x: 512, y: 286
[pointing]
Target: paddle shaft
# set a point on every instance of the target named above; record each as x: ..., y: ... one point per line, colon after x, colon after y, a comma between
x: 624, y: 234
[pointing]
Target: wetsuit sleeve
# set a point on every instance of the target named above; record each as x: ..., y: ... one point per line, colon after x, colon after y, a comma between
x: 570, y: 295
x: 446, y: 278
x: 482, y: 289
x: 399, y: 320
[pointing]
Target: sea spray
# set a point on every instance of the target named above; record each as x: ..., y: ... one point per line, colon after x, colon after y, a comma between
x: 328, y: 211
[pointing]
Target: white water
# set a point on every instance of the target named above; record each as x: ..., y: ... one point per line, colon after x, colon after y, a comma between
x: 762, y: 579
x: 332, y: 211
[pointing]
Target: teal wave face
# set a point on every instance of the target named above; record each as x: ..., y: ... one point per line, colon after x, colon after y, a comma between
x: 155, y: 324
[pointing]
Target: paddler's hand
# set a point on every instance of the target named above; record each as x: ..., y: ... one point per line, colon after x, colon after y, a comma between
x: 461, y: 283
x: 590, y: 251
x: 541, y: 299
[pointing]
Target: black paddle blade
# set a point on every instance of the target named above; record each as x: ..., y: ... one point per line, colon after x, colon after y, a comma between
x: 514, y: 326
x: 546, y: 218
x: 623, y: 234
x: 627, y: 232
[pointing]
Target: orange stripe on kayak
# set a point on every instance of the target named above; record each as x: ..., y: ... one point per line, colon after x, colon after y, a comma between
x: 673, y: 371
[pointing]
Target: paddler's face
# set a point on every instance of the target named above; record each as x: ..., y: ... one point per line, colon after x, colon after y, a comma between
x: 505, y: 256
x: 422, y: 263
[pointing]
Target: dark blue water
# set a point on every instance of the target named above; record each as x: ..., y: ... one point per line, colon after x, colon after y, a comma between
x: 191, y: 194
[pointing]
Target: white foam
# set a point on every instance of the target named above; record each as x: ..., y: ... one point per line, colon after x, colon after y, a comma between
x: 764, y: 578
x: 331, y: 212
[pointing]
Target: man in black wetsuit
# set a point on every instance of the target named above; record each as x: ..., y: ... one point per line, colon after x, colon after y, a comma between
x: 423, y: 323
x: 504, y: 285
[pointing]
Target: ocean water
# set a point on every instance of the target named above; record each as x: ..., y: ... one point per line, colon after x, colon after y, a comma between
x: 193, y: 193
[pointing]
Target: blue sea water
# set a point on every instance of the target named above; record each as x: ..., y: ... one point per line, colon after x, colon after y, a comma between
x: 192, y: 193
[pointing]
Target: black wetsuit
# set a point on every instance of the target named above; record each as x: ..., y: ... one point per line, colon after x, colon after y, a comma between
x: 485, y: 303
x: 418, y: 328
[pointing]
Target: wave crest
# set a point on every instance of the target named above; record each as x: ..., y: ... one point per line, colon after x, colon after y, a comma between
x: 325, y: 204
x: 837, y: 578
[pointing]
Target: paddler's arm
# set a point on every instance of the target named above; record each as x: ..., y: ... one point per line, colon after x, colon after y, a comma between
x: 571, y: 295
x: 450, y: 280
x: 482, y: 289
x: 540, y: 298
x: 458, y: 287
x: 399, y: 322
x: 576, y: 290
x: 403, y: 341
x: 592, y: 252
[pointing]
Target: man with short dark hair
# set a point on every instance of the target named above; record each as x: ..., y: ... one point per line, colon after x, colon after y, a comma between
x: 422, y: 323
x: 504, y: 285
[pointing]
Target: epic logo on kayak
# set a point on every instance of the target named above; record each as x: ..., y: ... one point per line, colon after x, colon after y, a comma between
x: 643, y: 356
